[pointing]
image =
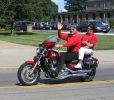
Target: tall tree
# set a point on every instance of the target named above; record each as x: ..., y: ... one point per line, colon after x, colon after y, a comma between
x: 49, y: 7
x: 75, y: 5
x: 15, y: 10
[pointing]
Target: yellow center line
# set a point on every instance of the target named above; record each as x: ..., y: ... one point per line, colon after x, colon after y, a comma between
x: 61, y: 85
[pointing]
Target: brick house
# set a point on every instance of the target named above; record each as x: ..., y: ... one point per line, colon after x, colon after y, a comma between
x: 95, y: 9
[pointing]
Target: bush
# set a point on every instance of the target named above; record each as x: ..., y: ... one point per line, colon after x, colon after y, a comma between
x: 2, y: 25
x: 112, y: 23
x: 5, y: 26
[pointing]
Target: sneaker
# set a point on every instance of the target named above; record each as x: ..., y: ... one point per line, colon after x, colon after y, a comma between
x: 79, y: 66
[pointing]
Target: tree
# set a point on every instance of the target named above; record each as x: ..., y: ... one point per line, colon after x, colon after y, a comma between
x: 15, y: 10
x: 30, y: 10
x: 49, y: 7
x: 75, y: 5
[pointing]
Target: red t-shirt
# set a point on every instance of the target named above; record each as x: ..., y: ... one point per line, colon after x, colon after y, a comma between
x: 73, y: 42
x: 90, y: 38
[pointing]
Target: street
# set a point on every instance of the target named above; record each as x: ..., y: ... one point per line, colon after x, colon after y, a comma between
x: 101, y: 88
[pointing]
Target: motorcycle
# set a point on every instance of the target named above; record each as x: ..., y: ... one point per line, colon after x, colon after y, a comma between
x: 46, y: 60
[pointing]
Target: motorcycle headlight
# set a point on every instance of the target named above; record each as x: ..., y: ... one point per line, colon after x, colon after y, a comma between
x: 39, y: 50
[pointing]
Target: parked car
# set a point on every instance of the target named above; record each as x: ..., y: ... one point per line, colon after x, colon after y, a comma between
x: 64, y: 26
x: 72, y: 24
x: 21, y: 25
x: 34, y: 24
x: 50, y: 25
x: 98, y: 26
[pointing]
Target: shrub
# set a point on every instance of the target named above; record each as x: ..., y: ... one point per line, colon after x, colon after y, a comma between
x: 112, y: 23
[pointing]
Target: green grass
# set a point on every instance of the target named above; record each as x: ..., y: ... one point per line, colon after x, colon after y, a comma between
x: 33, y: 39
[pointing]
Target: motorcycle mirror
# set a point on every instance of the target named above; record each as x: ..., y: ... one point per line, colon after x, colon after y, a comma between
x: 39, y: 45
x: 58, y: 40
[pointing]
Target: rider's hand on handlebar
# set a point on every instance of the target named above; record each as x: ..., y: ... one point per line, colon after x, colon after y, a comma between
x: 58, y: 45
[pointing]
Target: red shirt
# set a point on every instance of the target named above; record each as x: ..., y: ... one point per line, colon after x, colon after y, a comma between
x: 73, y: 42
x: 90, y: 38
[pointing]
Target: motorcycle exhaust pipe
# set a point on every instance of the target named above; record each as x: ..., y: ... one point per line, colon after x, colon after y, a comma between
x: 78, y: 71
x: 71, y: 75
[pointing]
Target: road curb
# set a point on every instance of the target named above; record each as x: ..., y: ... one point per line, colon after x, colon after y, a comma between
x: 6, y: 68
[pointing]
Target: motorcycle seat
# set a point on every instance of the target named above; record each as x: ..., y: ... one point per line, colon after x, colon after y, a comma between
x: 76, y: 61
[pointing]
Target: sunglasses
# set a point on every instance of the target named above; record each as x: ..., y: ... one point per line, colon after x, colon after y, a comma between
x: 72, y: 29
x: 89, y: 28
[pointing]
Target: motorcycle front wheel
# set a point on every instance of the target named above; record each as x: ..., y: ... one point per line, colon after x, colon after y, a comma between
x: 89, y: 76
x: 24, y: 76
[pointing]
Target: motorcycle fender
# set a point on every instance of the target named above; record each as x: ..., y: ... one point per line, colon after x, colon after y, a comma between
x: 32, y: 63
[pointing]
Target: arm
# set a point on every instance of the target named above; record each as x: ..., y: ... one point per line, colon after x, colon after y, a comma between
x: 60, y: 35
x: 89, y: 44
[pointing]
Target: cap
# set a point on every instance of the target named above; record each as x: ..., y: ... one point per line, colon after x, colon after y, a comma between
x: 73, y: 27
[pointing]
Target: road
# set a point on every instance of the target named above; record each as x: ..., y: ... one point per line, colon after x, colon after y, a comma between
x: 101, y: 88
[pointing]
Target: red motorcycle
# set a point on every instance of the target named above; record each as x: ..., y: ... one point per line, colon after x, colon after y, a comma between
x: 46, y: 59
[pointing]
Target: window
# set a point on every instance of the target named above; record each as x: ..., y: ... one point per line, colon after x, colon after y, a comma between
x: 59, y: 18
x: 54, y: 18
x: 94, y: 16
x: 23, y: 23
x: 80, y: 16
x: 108, y: 5
x: 101, y: 6
x: 86, y: 16
x: 63, y: 18
x: 69, y: 18
x: 74, y: 17
x: 95, y: 6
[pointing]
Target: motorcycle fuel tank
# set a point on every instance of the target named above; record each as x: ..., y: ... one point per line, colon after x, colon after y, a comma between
x: 52, y: 55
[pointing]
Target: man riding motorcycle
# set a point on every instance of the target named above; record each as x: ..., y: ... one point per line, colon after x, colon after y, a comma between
x: 73, y: 44
x: 58, y: 65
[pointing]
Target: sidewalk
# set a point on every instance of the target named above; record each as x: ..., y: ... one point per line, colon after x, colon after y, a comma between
x: 13, y: 55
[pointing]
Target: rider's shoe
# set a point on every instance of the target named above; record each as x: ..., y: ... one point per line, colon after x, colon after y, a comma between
x: 79, y: 66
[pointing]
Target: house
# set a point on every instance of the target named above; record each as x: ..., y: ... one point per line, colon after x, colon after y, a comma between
x: 102, y: 10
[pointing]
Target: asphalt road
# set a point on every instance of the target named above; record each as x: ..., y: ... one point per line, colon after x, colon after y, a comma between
x: 101, y: 88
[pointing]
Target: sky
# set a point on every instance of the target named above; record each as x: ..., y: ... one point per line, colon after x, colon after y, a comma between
x: 60, y: 4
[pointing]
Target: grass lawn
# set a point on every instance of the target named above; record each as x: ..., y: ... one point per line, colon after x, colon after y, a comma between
x: 33, y: 39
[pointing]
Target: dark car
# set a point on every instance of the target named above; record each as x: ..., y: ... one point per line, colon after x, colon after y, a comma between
x: 64, y: 26
x: 50, y: 25
x: 72, y: 25
x: 21, y: 25
x: 34, y: 24
x: 98, y: 26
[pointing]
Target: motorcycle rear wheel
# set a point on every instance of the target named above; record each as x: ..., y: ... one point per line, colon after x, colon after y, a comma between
x: 24, y: 77
x: 88, y: 77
